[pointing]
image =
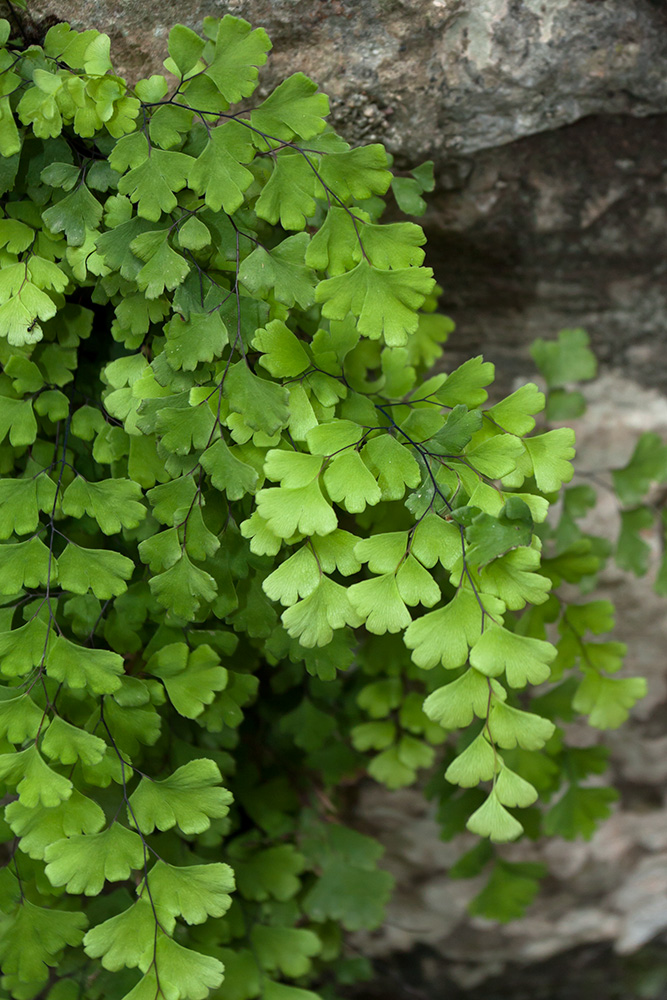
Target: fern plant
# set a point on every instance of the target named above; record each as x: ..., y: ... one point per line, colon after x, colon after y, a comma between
x: 251, y: 550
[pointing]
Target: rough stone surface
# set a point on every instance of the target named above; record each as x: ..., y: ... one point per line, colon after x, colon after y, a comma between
x: 439, y: 76
x: 562, y: 229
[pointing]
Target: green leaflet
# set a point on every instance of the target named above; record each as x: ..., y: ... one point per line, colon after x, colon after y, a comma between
x: 459, y: 428
x: 293, y: 109
x: 190, y: 679
x: 98, y: 670
x: 478, y: 762
x: 510, y: 727
x: 607, y: 700
x: 150, y: 181
x: 648, y: 464
x: 262, y: 403
x: 393, y: 466
x: 515, y: 412
x: 24, y: 564
x: 455, y: 704
x: 565, y: 360
x: 578, y: 812
x: 373, y: 735
x: 238, y: 52
x: 183, y: 588
x: 104, y: 573
x: 34, y: 937
x: 37, y: 827
x: 164, y: 268
x: 337, y: 551
x: 333, y: 436
x: 35, y: 782
x: 124, y: 941
x: 83, y: 862
x: 20, y: 718
x: 228, y: 473
x: 219, y: 172
x: 495, y: 457
x: 512, y: 577
x: 202, y: 337
x: 23, y: 301
x: 67, y: 744
x: 397, y: 766
x: 336, y: 246
x: 283, y: 353
x: 523, y: 659
x: 185, y: 48
x: 23, y: 648
x: 513, y: 790
x: 351, y: 888
x: 131, y: 726
x: 189, y: 973
x: 301, y: 509
x: 193, y: 893
x: 445, y: 635
x: 189, y: 798
x: 21, y: 500
x: 466, y: 384
x: 384, y: 302
x: 314, y: 619
x: 114, y: 503
x: 408, y: 190
x: 358, y: 173
x: 74, y: 214
x: 511, y: 888
x: 550, y: 455
x: 350, y: 483
x: 194, y: 234
x: 492, y: 820
x: 379, y: 698
x: 285, y: 949
x: 170, y: 498
x: 297, y: 577
x: 272, y: 873
x: 379, y: 604
x: 288, y: 195
x: 493, y: 536
x: 281, y: 272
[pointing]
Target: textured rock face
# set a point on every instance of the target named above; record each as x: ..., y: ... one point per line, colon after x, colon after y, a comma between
x: 546, y: 119
x: 439, y: 76
x: 565, y: 228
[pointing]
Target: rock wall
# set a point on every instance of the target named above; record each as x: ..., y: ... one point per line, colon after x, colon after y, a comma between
x: 565, y: 228
x: 612, y: 889
x: 546, y: 121
x: 448, y: 77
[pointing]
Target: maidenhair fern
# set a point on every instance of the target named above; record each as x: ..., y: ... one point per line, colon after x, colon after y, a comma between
x: 249, y: 549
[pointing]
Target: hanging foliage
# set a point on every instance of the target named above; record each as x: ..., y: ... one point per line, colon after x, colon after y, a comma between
x: 251, y: 549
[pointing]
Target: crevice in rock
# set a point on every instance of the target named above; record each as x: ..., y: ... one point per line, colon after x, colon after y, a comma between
x: 564, y: 228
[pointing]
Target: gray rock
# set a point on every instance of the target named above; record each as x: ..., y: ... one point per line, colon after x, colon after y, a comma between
x: 438, y: 76
x: 566, y: 228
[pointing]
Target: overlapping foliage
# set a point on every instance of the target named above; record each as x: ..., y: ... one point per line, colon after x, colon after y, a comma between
x: 250, y: 551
